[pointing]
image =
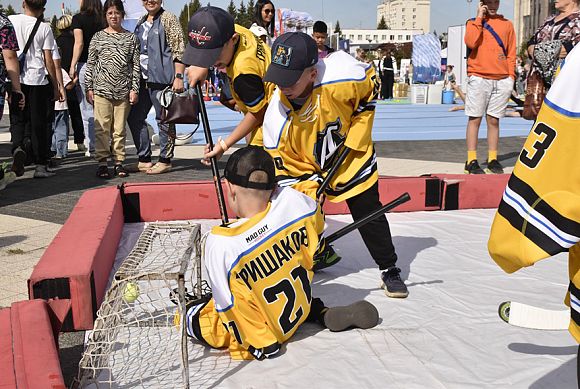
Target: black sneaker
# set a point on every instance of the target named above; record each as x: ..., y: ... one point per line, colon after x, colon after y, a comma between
x: 18, y: 162
x: 494, y: 167
x: 473, y: 168
x: 393, y: 284
x: 326, y: 258
x: 361, y: 314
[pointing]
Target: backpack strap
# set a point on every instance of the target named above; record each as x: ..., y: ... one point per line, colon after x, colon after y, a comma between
x: 31, y: 37
x: 496, y: 36
x: 493, y: 33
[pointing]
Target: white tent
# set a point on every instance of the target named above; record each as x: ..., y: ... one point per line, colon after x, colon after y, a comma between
x: 456, y: 52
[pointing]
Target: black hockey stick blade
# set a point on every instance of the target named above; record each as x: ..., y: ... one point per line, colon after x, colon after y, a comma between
x: 367, y: 219
x: 214, y: 166
x: 332, y: 172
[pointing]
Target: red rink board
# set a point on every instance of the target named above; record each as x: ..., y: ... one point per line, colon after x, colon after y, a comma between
x: 28, y: 349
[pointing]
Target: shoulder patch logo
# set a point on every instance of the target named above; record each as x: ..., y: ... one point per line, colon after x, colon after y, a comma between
x: 283, y: 55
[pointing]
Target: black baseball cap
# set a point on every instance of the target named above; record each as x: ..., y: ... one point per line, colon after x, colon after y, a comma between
x: 208, y: 31
x: 292, y: 53
x: 243, y: 162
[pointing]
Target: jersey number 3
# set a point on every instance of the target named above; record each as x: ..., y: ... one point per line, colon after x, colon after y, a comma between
x: 532, y: 158
x: 287, y: 287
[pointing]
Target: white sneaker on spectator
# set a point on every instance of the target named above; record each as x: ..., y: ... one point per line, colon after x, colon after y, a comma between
x: 42, y: 172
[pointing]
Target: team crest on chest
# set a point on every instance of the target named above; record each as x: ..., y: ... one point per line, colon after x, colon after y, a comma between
x: 328, y: 141
x: 283, y: 55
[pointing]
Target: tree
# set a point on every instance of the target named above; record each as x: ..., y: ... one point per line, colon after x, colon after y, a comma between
x: 337, y: 29
x: 244, y: 19
x: 232, y: 10
x: 55, y: 30
x: 10, y: 10
x: 188, y: 10
x: 251, y: 11
x: 382, y: 24
x: 183, y: 20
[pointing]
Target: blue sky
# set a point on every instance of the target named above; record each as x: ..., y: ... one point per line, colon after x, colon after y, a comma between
x: 350, y: 13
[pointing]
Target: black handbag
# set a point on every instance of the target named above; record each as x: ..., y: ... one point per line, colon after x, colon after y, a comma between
x: 179, y: 108
x: 22, y: 56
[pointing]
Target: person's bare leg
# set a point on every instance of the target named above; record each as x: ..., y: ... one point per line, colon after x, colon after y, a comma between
x: 492, y: 133
x: 472, y: 131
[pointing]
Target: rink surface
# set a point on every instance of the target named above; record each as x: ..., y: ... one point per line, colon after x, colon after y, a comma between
x: 446, y: 334
x: 392, y: 122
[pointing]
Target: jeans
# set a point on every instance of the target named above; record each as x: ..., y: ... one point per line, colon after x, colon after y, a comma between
x: 60, y: 133
x: 86, y: 109
x: 147, y: 99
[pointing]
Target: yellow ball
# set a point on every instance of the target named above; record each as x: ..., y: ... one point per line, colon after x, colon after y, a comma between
x: 131, y: 292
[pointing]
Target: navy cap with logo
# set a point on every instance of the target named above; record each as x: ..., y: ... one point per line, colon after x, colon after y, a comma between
x: 292, y: 53
x: 208, y: 31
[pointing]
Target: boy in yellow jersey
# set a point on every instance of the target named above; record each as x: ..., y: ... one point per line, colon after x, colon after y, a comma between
x: 214, y: 40
x: 259, y: 267
x: 320, y: 108
x: 539, y: 215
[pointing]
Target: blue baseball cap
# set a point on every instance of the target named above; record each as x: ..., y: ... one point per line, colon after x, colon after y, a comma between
x: 292, y: 53
x: 208, y: 31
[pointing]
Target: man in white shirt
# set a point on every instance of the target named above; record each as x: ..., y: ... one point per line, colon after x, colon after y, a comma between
x: 30, y: 128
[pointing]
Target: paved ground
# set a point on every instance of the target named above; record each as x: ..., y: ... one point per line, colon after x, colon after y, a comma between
x: 32, y: 210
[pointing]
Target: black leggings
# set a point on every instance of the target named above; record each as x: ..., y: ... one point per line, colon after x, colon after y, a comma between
x: 375, y: 234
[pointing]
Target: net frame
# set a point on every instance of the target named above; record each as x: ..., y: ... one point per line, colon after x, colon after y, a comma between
x: 165, y: 269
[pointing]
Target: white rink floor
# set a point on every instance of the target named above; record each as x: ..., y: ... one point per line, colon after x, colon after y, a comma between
x: 446, y: 334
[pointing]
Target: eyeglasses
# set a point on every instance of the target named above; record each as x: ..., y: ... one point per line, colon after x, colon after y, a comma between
x: 152, y: 1
x: 268, y: 11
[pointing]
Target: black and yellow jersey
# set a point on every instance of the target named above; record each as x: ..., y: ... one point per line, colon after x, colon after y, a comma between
x: 339, y: 113
x: 539, y: 215
x: 246, y: 72
x: 260, y: 273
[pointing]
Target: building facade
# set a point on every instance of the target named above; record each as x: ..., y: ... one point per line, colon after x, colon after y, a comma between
x: 528, y: 16
x: 406, y: 14
x: 371, y: 39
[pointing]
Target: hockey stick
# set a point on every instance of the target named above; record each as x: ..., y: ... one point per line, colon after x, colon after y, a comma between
x: 528, y: 316
x: 332, y: 171
x: 370, y: 217
x: 213, y: 160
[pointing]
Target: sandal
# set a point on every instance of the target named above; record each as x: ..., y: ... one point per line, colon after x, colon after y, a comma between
x: 159, y: 168
x: 103, y: 172
x: 120, y: 171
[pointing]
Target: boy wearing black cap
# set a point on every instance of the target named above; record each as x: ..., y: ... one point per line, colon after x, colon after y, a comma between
x: 319, y: 109
x: 214, y: 40
x: 259, y: 267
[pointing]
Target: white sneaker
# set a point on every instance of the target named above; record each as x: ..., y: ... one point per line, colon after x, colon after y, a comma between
x: 42, y: 172
x: 8, y: 179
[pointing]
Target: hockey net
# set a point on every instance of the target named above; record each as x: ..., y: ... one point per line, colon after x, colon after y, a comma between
x: 139, y: 339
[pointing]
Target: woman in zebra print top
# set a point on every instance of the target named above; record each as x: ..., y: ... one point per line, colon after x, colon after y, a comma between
x: 112, y: 84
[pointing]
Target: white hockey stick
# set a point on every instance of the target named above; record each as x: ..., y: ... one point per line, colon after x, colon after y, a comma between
x: 527, y: 316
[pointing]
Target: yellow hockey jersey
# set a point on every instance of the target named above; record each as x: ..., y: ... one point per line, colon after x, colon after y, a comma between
x: 339, y: 113
x: 539, y: 215
x: 260, y: 272
x: 251, y: 58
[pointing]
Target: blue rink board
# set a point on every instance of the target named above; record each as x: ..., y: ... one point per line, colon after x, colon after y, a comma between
x: 392, y: 122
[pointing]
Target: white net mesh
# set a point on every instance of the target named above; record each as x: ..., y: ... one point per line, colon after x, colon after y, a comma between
x: 138, y: 340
